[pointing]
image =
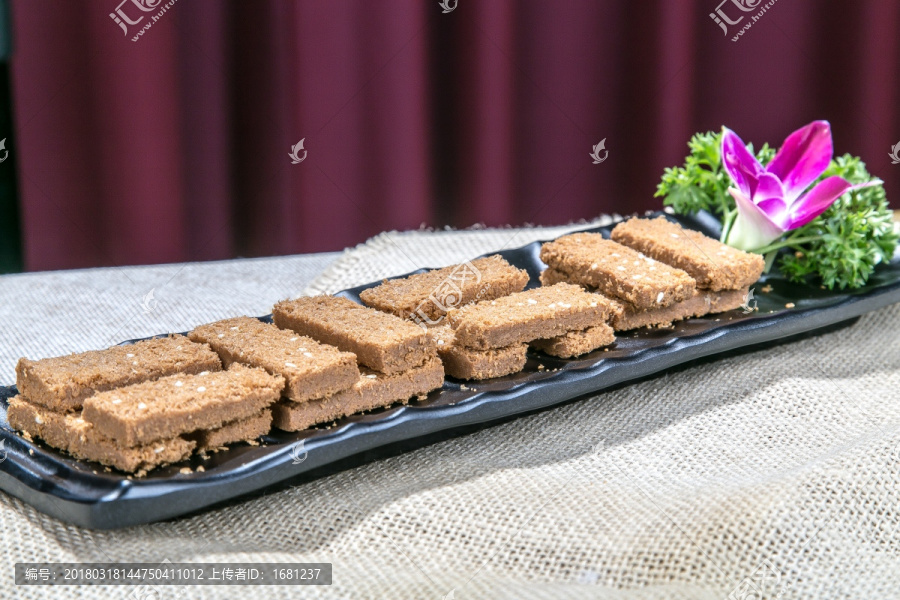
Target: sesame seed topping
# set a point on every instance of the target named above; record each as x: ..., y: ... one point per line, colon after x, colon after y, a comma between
x: 594, y: 267
x: 38, y: 420
x: 290, y: 364
x: 158, y: 450
x: 659, y: 297
x: 593, y: 305
x: 674, y: 235
x: 134, y: 363
x: 532, y: 301
x: 142, y: 406
x: 204, y: 373
x: 294, y: 339
x: 308, y: 354
x: 372, y: 376
x: 178, y: 384
x: 235, y: 329
x: 440, y: 342
x: 129, y: 355
x: 553, y: 305
x: 621, y: 268
x: 117, y: 401
x: 201, y: 389
x: 221, y: 335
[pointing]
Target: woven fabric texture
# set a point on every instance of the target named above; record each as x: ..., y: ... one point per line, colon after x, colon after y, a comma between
x: 771, y: 474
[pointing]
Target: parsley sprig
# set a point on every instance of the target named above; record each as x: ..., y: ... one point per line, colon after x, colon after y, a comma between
x: 840, y: 248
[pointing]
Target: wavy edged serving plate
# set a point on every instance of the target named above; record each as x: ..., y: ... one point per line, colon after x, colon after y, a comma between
x: 87, y: 495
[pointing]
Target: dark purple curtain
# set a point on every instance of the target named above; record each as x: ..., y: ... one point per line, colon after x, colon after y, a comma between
x: 175, y: 146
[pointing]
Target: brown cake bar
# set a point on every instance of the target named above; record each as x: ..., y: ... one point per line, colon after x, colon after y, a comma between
x: 242, y: 430
x: 626, y: 316
x: 468, y: 363
x: 380, y: 341
x: 426, y: 297
x: 373, y: 390
x: 551, y: 276
x: 714, y: 265
x: 178, y: 404
x: 63, y: 383
x: 72, y: 434
x: 576, y: 343
x: 634, y: 318
x: 525, y: 316
x: 311, y: 369
x: 703, y: 303
x: 617, y: 271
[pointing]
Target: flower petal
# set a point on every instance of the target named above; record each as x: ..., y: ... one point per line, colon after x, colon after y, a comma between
x: 776, y: 211
x: 741, y: 166
x: 818, y: 199
x: 802, y: 158
x: 768, y: 186
x: 753, y: 228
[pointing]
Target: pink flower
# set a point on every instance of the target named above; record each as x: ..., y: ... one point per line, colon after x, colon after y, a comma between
x: 771, y: 200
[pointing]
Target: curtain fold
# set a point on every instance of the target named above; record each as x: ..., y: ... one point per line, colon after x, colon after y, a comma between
x: 175, y: 147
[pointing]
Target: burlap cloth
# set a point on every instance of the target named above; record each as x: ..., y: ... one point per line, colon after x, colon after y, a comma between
x: 775, y: 470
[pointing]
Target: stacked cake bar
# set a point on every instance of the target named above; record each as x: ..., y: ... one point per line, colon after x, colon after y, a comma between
x: 490, y: 321
x: 463, y: 362
x: 138, y: 406
x: 723, y: 274
x: 397, y: 359
x: 490, y: 338
x: 654, y: 271
x: 426, y: 297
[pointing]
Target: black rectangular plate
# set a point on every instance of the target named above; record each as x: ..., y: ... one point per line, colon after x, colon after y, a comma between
x: 86, y: 494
